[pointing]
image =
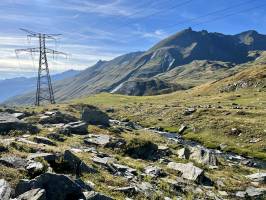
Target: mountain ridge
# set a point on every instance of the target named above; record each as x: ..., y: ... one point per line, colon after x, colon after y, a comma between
x: 171, y: 54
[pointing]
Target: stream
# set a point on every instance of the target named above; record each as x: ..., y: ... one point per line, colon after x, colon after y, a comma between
x: 230, y: 157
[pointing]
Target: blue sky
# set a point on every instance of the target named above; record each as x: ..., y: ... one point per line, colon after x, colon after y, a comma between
x: 104, y: 29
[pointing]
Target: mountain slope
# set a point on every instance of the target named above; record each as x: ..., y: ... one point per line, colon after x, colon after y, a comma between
x: 17, y: 86
x: 170, y: 61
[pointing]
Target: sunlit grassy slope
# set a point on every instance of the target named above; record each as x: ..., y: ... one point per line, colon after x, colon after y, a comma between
x: 217, y: 113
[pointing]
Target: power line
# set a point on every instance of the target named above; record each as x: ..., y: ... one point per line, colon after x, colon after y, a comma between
x: 231, y: 14
x: 210, y: 14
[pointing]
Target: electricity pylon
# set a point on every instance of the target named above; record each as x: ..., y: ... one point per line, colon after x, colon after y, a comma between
x: 44, y: 90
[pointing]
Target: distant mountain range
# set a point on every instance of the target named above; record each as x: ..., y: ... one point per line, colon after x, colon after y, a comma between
x: 181, y: 61
x: 17, y: 86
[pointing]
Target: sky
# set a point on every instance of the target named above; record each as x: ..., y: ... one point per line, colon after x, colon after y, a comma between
x: 95, y: 30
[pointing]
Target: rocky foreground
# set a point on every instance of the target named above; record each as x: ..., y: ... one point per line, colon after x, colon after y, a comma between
x: 80, y: 153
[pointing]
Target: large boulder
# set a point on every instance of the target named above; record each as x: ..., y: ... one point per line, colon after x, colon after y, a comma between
x: 8, y: 123
x: 5, y: 190
x: 198, y: 154
x: 93, y: 115
x: 56, y: 186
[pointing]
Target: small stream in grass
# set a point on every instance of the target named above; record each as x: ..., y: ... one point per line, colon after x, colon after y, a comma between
x: 229, y: 157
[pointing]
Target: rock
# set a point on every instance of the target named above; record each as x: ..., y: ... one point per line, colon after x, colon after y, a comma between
x: 79, y: 128
x: 13, y: 161
x: 116, y: 143
x: 75, y: 164
x: 83, y: 185
x: 235, y: 131
x: 96, y: 196
x: 129, y: 190
x: 189, y: 111
x: 258, y: 177
x: 198, y: 154
x: 146, y: 188
x: 223, y: 193
x: 164, y: 151
x: 34, y: 194
x: 189, y: 171
x: 100, y: 140
x: 19, y: 115
x: 252, y: 192
x: 10, y: 123
x: 154, y: 171
x: 43, y: 140
x: 123, y: 170
x: 182, y: 129
x: 93, y: 115
x: 142, y: 149
x: 5, y: 190
x: 49, y: 157
x: 56, y: 117
x: 183, y: 153
x: 255, y: 192
x: 34, y: 168
x: 56, y: 136
x: 102, y: 161
x: 56, y: 186
x: 241, y: 194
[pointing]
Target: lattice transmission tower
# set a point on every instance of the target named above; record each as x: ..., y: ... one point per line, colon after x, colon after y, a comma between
x: 44, y: 91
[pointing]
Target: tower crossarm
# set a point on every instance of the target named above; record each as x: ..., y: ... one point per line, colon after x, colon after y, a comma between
x: 30, y: 50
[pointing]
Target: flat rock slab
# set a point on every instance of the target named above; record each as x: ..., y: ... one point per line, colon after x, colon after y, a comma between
x: 189, y: 171
x: 13, y: 161
x: 9, y: 122
x: 100, y: 140
x: 102, y: 161
x: 257, y: 177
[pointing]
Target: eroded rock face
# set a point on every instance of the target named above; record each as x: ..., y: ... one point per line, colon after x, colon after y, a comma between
x: 93, y: 115
x: 56, y: 186
x: 5, y: 190
x: 8, y: 123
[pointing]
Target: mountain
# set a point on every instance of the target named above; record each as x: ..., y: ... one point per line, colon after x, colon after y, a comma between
x: 183, y: 60
x: 16, y: 86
